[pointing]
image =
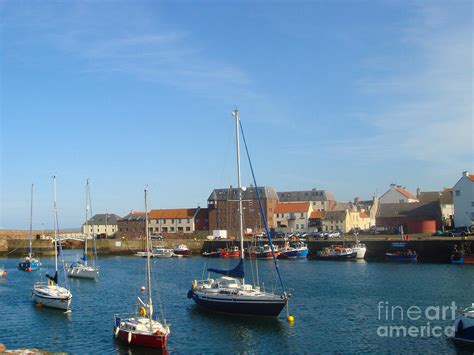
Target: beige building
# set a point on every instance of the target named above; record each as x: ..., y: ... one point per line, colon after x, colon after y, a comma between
x: 292, y: 216
x: 104, y: 224
x: 172, y: 220
x: 320, y: 200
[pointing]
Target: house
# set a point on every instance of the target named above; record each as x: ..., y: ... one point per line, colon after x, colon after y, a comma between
x: 102, y: 224
x: 292, y: 216
x: 320, y: 200
x: 445, y: 199
x: 132, y: 226
x: 201, y: 219
x: 223, y: 206
x: 463, y: 200
x: 180, y: 220
x: 315, y: 221
x: 397, y: 194
x: 335, y: 221
x: 415, y: 217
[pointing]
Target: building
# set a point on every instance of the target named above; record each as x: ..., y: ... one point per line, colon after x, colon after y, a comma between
x: 292, y: 216
x: 335, y: 221
x: 132, y: 226
x: 104, y: 224
x: 315, y: 221
x: 320, y: 200
x: 415, y: 217
x: 445, y: 199
x: 397, y: 194
x: 223, y: 205
x: 463, y: 200
x: 180, y: 220
x: 201, y: 220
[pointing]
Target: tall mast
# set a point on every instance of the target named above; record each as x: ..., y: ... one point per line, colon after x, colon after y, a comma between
x: 31, y: 223
x: 55, y: 226
x: 239, y: 185
x: 87, y: 224
x: 148, y: 272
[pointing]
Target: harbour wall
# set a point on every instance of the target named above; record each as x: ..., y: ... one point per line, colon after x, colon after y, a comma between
x: 430, y: 249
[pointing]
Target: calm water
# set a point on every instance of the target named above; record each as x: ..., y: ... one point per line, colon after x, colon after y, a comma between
x: 334, y: 304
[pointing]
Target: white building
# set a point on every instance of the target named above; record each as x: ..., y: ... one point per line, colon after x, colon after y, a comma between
x: 463, y: 198
x: 397, y: 194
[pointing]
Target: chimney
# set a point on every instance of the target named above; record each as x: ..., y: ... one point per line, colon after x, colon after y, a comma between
x: 356, y: 200
x: 465, y: 173
x: 418, y: 192
x: 393, y: 185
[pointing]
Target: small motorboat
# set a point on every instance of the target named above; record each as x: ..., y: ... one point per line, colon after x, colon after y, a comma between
x: 29, y: 264
x: 212, y: 254
x: 337, y: 253
x: 182, y: 250
x: 231, y: 253
x: 464, y: 327
x: 402, y: 256
x: 360, y: 249
x: 294, y: 250
x: 162, y: 252
x: 2, y: 271
x: 263, y: 252
x: 462, y: 256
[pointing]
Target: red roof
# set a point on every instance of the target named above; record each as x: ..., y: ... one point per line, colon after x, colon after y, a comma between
x: 317, y: 214
x: 288, y: 207
x: 184, y: 213
x: 406, y: 193
x: 471, y: 177
x: 364, y: 215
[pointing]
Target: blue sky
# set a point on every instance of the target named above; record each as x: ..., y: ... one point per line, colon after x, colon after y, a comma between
x: 347, y: 96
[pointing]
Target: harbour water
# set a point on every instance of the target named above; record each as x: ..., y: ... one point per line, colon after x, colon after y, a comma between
x: 338, y: 307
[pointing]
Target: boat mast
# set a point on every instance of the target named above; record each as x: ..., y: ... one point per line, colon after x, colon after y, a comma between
x: 239, y: 185
x: 55, y: 226
x: 87, y: 225
x: 31, y: 223
x: 148, y: 272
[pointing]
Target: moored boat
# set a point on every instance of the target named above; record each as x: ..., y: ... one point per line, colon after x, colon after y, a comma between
x: 2, y: 271
x: 263, y: 252
x: 462, y: 256
x: 182, y: 250
x: 232, y: 252
x: 143, y: 328
x: 50, y: 294
x: 29, y: 263
x: 294, y: 250
x: 360, y: 249
x: 162, y: 252
x: 212, y: 254
x: 336, y: 253
x: 402, y: 256
x: 464, y: 327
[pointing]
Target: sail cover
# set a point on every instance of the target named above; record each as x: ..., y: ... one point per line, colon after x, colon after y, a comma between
x: 237, y: 272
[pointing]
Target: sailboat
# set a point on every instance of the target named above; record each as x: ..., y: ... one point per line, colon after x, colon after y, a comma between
x: 230, y: 293
x: 143, y: 328
x: 29, y: 263
x: 81, y: 269
x: 50, y: 294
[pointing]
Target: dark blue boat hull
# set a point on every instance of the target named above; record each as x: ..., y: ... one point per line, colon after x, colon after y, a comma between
x: 243, y: 308
x: 29, y: 266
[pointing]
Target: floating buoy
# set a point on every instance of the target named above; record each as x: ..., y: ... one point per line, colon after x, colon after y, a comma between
x: 129, y: 337
x: 143, y: 289
x: 117, y: 329
x: 39, y: 305
x: 290, y: 319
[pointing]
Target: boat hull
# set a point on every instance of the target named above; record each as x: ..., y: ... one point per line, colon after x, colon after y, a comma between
x: 182, y: 252
x: 145, y: 340
x: 233, y: 305
x: 468, y: 259
x: 338, y: 257
x: 29, y: 265
x: 214, y: 254
x: 83, y: 273
x: 297, y: 253
x: 402, y: 258
x: 57, y: 303
x: 263, y: 255
x: 464, y: 330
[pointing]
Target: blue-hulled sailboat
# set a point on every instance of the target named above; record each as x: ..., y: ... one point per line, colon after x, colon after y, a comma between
x: 29, y: 263
x: 230, y: 293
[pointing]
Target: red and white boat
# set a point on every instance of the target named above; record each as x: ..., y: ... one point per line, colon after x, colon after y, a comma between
x: 143, y: 328
x: 231, y: 253
x: 263, y: 252
x: 181, y: 249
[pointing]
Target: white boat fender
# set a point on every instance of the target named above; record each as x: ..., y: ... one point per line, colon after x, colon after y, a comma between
x: 129, y: 337
x: 117, y: 329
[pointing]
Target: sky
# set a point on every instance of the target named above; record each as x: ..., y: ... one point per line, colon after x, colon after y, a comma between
x: 347, y: 96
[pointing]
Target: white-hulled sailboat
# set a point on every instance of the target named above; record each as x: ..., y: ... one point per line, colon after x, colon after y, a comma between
x: 50, y: 294
x: 229, y: 293
x: 143, y: 328
x: 29, y: 263
x: 81, y: 269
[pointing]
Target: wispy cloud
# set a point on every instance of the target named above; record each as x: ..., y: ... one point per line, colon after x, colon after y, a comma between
x: 422, y: 98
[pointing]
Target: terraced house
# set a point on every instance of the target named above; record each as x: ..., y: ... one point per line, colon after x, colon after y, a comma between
x: 292, y: 216
x: 180, y: 220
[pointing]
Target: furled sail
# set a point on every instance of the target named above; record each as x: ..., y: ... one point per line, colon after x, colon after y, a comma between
x: 237, y: 272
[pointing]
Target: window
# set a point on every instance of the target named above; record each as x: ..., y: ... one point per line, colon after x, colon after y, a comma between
x: 188, y: 229
x: 188, y: 220
x: 472, y: 204
x: 458, y: 192
x: 165, y: 229
x: 302, y: 214
x: 171, y: 229
x: 172, y: 221
x: 180, y: 229
x: 179, y: 220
